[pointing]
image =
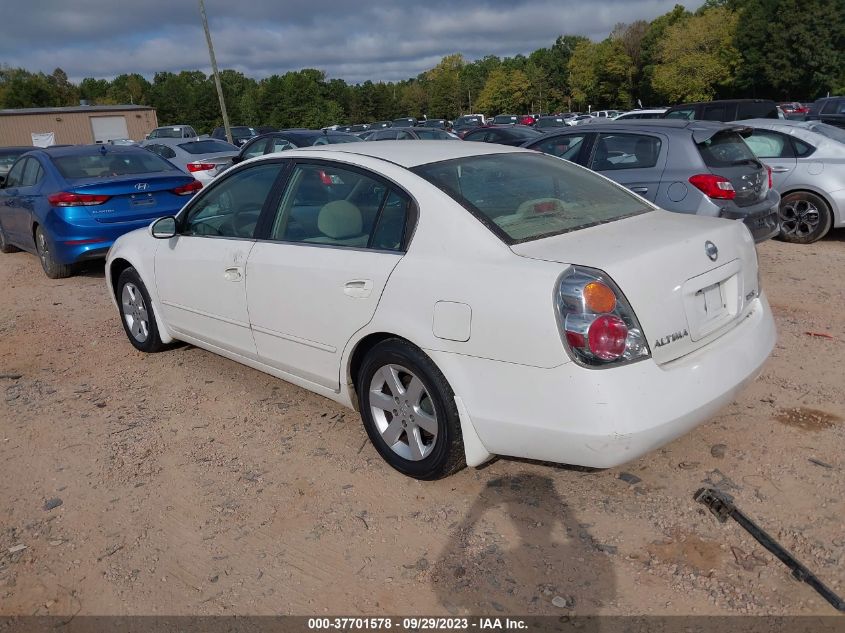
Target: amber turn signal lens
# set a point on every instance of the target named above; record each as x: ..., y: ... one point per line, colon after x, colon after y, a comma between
x: 599, y: 298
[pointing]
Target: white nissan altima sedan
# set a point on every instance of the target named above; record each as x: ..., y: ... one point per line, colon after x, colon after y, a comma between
x: 468, y: 299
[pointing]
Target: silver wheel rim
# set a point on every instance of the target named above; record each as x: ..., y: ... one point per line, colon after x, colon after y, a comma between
x: 799, y: 217
x: 135, y: 312
x: 403, y: 412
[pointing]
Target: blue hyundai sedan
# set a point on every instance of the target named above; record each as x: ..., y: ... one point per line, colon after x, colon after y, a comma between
x: 69, y: 204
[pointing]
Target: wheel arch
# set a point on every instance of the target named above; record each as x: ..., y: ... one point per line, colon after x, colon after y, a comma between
x: 356, y: 359
x: 116, y: 267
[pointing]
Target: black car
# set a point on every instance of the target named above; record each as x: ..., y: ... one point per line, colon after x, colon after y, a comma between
x: 380, y: 125
x: 8, y: 156
x: 405, y: 122
x: 411, y: 134
x: 830, y: 110
x: 726, y: 110
x: 505, y: 119
x: 290, y: 139
x: 240, y: 134
x: 441, y: 124
x: 547, y: 123
x: 503, y: 134
x: 467, y: 122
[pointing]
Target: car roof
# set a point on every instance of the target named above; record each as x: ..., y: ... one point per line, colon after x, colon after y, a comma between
x: 410, y: 155
x: 90, y: 150
x: 179, y: 141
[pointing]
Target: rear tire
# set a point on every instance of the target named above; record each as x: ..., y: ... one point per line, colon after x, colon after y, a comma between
x: 409, y: 411
x: 136, y: 313
x: 52, y: 268
x: 804, y: 217
x: 5, y: 247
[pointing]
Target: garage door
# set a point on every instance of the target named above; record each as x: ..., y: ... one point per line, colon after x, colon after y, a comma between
x: 108, y: 128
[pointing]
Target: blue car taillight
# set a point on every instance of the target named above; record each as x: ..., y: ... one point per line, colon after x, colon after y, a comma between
x: 598, y: 326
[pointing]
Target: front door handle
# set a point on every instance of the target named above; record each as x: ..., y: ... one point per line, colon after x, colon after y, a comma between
x: 233, y: 273
x: 781, y: 170
x: 358, y: 288
x: 640, y: 190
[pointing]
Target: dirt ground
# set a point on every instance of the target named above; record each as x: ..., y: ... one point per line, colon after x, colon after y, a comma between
x: 189, y: 484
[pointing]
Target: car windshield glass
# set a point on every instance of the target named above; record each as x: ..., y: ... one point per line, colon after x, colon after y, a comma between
x: 724, y: 149
x: 206, y: 147
x: 504, y: 118
x: 830, y: 131
x: 7, y: 160
x: 467, y: 121
x: 528, y: 196
x: 167, y: 132
x: 110, y: 165
x: 341, y: 138
x: 432, y: 135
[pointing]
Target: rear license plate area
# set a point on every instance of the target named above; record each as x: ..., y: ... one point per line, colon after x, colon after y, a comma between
x: 713, y: 299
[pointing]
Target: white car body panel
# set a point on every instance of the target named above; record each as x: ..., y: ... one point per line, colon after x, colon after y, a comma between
x: 518, y: 391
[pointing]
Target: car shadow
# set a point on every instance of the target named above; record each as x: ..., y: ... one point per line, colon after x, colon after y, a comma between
x: 95, y: 269
x: 520, y: 549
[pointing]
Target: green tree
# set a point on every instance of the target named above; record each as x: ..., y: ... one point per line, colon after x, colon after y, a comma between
x: 94, y: 90
x: 650, y: 49
x: 697, y: 58
x: 582, y: 73
x: 444, y: 87
x: 505, y: 92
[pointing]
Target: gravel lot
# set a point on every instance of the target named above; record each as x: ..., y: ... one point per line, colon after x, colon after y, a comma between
x: 184, y: 483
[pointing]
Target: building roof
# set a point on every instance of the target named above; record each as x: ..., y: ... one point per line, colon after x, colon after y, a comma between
x: 69, y: 109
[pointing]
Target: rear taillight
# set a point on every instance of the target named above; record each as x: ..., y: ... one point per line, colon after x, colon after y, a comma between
x: 769, y: 171
x: 597, y: 324
x: 189, y: 189
x: 66, y: 199
x: 192, y: 167
x: 714, y: 186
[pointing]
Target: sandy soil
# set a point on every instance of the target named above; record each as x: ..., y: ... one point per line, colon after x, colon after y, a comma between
x: 192, y: 485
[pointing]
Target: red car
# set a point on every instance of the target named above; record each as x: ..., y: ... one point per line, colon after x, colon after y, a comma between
x: 794, y: 108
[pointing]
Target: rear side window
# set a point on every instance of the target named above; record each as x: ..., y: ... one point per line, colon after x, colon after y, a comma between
x: 625, y: 151
x: 527, y: 196
x: 334, y: 206
x: 716, y: 112
x: 206, y: 147
x: 110, y: 165
x: 32, y: 173
x: 725, y: 149
x: 769, y: 144
x: 567, y: 147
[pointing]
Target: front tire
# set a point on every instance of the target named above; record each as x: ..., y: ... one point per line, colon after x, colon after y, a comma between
x: 136, y: 313
x: 804, y: 217
x: 5, y: 247
x: 52, y: 268
x: 409, y: 411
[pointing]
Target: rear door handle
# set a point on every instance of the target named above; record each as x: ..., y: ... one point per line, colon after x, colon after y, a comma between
x: 640, y: 190
x: 781, y: 170
x: 358, y: 288
x: 233, y: 273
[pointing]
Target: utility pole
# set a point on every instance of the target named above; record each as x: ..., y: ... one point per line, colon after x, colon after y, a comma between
x: 216, y: 74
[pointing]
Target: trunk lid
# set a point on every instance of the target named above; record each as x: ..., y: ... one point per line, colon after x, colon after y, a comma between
x: 726, y: 154
x: 681, y: 297
x: 135, y: 198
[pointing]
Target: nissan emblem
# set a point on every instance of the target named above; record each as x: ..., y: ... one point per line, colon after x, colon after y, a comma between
x: 711, y: 250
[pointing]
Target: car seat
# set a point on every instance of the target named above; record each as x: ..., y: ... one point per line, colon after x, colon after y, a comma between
x: 600, y: 161
x: 645, y: 151
x: 340, y: 222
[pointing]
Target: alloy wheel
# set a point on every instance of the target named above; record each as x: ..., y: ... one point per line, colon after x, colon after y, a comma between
x: 403, y: 412
x: 799, y: 217
x: 135, y: 312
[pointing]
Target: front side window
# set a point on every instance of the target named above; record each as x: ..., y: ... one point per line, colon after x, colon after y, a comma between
x: 567, y: 147
x: 528, y: 196
x: 231, y: 208
x: 330, y: 205
x: 769, y: 144
x: 625, y: 151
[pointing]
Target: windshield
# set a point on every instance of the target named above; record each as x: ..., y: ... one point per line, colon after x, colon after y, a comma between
x: 505, y: 118
x: 433, y: 135
x: 109, y: 165
x: 528, y: 196
x: 466, y: 121
x: 243, y: 132
x: 207, y: 147
x: 830, y: 131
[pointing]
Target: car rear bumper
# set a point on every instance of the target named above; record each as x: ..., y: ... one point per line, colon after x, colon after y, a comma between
x: 603, y: 418
x: 71, y: 243
x: 762, y: 219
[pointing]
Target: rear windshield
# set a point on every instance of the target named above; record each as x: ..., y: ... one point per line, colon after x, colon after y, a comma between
x: 209, y: 146
x: 167, y: 132
x: 830, y: 131
x: 725, y: 149
x: 505, y: 118
x: 528, y: 196
x: 110, y: 165
x: 468, y: 120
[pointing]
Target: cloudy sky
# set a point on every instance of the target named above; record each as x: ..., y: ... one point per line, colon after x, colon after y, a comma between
x: 356, y: 40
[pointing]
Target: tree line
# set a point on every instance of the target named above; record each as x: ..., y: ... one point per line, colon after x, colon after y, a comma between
x: 778, y: 49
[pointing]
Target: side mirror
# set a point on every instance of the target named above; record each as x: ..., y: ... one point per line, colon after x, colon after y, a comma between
x: 164, y: 228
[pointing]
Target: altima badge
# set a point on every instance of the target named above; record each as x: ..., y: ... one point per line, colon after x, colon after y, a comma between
x: 711, y: 250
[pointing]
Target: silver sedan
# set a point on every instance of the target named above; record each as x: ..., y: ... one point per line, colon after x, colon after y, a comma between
x: 203, y: 159
x: 807, y: 159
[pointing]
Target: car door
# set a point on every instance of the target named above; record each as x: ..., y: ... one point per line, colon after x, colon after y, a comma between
x: 201, y: 272
x: 317, y: 278
x: 635, y: 160
x: 10, y: 202
x: 22, y: 203
x: 776, y: 151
